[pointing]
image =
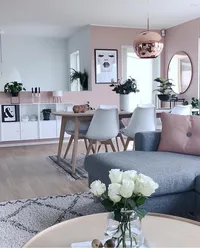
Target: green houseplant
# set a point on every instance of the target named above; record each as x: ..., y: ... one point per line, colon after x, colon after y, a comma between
x: 125, y: 88
x: 13, y: 88
x: 46, y: 114
x: 165, y: 88
x: 195, y: 102
x: 127, y: 91
x: 82, y: 77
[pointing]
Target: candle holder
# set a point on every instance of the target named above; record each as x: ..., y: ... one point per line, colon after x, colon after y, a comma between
x: 35, y: 95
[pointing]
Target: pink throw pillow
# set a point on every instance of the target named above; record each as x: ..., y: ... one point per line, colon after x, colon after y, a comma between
x: 180, y: 134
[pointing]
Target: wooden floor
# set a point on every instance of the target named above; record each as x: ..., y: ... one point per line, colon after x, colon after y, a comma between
x: 25, y: 173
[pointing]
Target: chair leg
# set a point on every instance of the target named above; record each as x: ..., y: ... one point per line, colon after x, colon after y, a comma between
x: 122, y: 140
x: 86, y: 146
x: 99, y: 147
x: 69, y: 145
x: 96, y: 147
x: 112, y: 146
x: 117, y: 143
x: 89, y: 148
x: 106, y: 148
x: 126, y: 144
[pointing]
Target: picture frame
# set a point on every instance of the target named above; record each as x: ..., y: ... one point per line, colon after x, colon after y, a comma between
x: 10, y: 113
x: 106, y: 65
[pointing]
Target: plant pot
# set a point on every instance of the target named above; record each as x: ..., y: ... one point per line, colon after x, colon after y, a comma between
x: 128, y: 102
x: 46, y: 116
x: 164, y: 97
x: 15, y: 94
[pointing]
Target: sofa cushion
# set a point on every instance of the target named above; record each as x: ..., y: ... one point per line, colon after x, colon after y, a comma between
x: 173, y: 172
x: 180, y: 134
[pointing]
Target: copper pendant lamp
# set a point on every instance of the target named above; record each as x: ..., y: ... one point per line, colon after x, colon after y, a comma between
x: 148, y: 44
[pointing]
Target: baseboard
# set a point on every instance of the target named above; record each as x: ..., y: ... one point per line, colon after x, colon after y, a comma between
x: 30, y: 143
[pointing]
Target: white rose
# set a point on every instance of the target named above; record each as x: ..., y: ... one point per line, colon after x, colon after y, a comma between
x: 114, y: 192
x: 145, y: 185
x: 130, y: 174
x: 115, y: 175
x: 127, y: 188
x: 97, y: 188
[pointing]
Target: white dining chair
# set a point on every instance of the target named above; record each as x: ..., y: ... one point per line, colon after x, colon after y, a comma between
x: 121, y: 126
x: 69, y: 129
x: 103, y: 128
x: 143, y: 119
x: 182, y: 110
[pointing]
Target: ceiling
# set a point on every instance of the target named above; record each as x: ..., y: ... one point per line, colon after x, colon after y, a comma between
x: 63, y: 17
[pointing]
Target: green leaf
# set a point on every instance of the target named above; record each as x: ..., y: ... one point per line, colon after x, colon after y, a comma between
x: 140, y: 200
x: 131, y: 203
x: 108, y: 204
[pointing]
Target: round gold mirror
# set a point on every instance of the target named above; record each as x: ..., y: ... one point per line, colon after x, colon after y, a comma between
x: 180, y: 72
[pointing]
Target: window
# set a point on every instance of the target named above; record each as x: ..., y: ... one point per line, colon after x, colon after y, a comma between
x: 75, y: 64
x: 143, y: 71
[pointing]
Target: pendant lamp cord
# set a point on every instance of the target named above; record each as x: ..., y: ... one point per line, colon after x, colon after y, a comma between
x: 1, y: 54
x: 148, y: 14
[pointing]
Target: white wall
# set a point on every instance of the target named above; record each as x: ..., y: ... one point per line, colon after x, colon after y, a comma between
x: 81, y: 41
x: 41, y: 62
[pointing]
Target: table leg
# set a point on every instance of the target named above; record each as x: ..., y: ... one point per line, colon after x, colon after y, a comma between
x: 62, y: 132
x: 75, y: 148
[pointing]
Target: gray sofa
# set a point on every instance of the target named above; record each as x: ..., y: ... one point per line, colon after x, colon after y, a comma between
x: 178, y: 175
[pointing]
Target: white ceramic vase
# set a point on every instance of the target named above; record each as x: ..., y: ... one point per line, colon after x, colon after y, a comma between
x: 128, y: 102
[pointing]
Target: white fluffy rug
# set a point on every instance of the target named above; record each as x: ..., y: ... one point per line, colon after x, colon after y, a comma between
x: 20, y: 220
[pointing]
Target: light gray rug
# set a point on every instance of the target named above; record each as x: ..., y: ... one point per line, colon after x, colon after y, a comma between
x: 20, y: 220
x: 64, y: 166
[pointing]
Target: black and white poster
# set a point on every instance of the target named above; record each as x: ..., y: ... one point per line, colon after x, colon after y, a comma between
x: 10, y: 113
x: 106, y: 65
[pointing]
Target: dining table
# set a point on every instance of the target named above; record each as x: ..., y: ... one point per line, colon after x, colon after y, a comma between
x: 77, y: 118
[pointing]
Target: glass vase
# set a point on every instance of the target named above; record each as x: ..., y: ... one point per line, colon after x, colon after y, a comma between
x: 126, y: 231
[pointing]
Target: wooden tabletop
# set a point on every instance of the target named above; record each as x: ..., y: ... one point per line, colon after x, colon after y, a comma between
x: 86, y: 114
x: 159, y: 230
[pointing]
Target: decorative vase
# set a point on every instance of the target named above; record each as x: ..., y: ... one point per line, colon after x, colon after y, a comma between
x: 126, y: 230
x: 46, y: 116
x: 164, y: 97
x: 76, y: 109
x: 128, y: 102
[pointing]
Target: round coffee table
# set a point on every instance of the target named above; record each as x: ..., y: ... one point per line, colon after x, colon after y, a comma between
x: 160, y: 230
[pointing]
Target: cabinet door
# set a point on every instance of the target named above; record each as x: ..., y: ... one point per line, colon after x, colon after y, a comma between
x: 47, y: 129
x: 10, y: 131
x: 29, y: 130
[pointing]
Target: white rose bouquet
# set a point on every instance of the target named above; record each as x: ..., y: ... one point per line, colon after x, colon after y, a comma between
x: 128, y: 190
x: 126, y: 193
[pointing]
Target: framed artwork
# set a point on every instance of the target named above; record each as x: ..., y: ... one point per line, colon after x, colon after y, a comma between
x: 10, y: 113
x: 106, y: 65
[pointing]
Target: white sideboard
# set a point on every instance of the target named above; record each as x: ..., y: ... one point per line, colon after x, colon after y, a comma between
x: 32, y: 130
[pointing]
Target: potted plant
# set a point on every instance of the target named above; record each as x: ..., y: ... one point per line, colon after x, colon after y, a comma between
x: 127, y: 90
x: 82, y: 77
x: 195, y: 102
x: 13, y: 88
x: 164, y: 89
x: 46, y: 114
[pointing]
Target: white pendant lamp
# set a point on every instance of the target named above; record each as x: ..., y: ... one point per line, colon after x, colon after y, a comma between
x: 148, y: 44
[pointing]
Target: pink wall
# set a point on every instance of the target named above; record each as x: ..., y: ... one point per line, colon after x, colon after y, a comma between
x: 184, y: 37
x: 100, y: 38
x: 110, y: 38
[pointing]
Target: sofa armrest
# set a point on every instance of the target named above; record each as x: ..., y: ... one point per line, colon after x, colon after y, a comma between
x: 147, y: 141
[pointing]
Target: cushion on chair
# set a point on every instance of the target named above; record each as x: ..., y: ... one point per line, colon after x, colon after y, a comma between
x: 180, y: 134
